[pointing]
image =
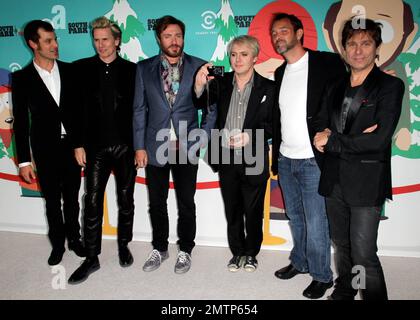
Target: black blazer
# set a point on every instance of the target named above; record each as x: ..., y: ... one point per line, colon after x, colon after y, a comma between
x: 87, y: 128
x: 322, y: 67
x: 361, y: 162
x: 258, y: 115
x: 37, y: 117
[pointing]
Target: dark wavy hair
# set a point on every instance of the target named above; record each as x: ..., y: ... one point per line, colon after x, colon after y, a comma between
x: 295, y: 21
x: 163, y: 22
x: 359, y: 25
x: 30, y: 32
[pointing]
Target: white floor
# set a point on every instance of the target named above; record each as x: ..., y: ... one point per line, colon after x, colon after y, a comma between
x: 25, y: 274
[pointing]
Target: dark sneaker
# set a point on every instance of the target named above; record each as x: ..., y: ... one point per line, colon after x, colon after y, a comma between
x: 250, y: 264
x: 235, y: 263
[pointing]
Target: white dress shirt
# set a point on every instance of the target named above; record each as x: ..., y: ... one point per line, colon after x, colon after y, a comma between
x: 53, y: 83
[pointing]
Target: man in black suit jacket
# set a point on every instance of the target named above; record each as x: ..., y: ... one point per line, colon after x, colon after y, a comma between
x: 103, y: 142
x: 358, y: 118
x: 245, y: 101
x: 42, y: 102
x: 300, y: 83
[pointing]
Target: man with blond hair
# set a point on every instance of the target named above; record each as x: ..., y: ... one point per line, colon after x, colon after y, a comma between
x: 103, y: 142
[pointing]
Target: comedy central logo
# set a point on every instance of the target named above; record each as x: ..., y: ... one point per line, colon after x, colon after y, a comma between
x: 209, y: 20
x: 210, y: 17
x: 14, y: 66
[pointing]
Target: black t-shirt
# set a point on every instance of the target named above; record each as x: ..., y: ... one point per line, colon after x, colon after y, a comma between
x: 109, y: 129
x: 348, y: 98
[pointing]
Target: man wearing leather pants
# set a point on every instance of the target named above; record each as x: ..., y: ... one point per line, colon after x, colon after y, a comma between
x: 104, y: 142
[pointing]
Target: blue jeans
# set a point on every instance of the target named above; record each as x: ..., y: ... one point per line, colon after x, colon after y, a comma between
x: 299, y: 180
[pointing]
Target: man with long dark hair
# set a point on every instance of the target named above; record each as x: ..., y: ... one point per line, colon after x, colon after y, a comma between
x: 164, y: 115
x: 358, y: 117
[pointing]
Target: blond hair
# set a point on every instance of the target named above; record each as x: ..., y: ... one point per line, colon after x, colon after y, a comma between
x: 103, y: 23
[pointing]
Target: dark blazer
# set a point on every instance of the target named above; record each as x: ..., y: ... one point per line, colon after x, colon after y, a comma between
x: 152, y: 111
x: 322, y: 67
x: 37, y: 117
x: 88, y: 132
x: 360, y: 162
x: 258, y: 116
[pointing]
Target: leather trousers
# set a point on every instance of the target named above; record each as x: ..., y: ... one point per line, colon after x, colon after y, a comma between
x: 120, y: 160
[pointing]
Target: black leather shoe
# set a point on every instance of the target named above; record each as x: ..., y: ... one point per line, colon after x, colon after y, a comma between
x: 287, y: 272
x: 335, y: 295
x: 126, y: 258
x: 317, y: 289
x: 78, y: 248
x: 55, y: 257
x: 88, y: 266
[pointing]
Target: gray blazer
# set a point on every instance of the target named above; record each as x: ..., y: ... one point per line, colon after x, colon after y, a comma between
x: 153, y: 113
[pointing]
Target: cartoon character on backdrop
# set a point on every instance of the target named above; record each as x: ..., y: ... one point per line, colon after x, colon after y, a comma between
x: 6, y: 118
x: 398, y: 32
x: 7, y: 148
x: 268, y: 61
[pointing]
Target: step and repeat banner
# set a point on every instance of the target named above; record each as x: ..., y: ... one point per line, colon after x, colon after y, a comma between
x: 210, y: 25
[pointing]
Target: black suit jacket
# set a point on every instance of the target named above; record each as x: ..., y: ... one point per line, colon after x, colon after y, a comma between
x: 37, y: 117
x: 361, y: 162
x: 87, y: 127
x: 322, y: 67
x: 258, y: 115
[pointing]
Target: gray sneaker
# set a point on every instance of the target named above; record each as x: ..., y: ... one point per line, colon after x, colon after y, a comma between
x: 183, y: 262
x: 154, y: 260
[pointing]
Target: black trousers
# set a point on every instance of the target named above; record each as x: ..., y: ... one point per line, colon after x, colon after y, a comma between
x: 59, y: 179
x: 354, y: 232
x: 185, y: 177
x: 99, y: 164
x: 244, y: 209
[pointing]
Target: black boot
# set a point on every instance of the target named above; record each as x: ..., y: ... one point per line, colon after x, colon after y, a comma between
x: 126, y: 258
x: 88, y: 266
x: 56, y: 256
x: 78, y: 247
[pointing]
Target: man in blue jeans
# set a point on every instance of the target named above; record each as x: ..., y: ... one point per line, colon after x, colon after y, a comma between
x: 300, y: 83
